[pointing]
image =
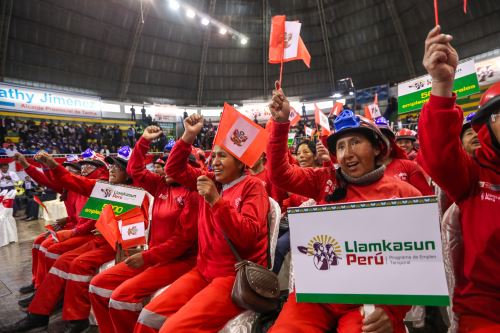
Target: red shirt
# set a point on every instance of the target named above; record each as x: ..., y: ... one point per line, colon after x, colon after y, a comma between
x: 173, y: 232
x: 241, y: 213
x: 473, y: 183
x: 316, y: 183
x: 410, y: 172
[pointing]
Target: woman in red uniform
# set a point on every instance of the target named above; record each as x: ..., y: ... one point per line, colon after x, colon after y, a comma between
x: 71, y: 273
x: 472, y: 182
x: 231, y: 203
x: 398, y: 165
x: 117, y: 294
x: 359, y: 147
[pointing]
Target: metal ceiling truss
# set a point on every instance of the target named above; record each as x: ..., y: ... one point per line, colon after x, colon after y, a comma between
x: 5, y: 15
x: 326, y: 43
x: 204, y: 55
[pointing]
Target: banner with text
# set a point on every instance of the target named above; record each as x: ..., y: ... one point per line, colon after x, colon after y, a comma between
x: 414, y: 93
x: 377, y: 252
x: 122, y: 198
x: 19, y: 98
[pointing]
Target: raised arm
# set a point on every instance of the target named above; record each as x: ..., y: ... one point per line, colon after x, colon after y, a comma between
x: 136, y: 168
x: 177, y: 163
x: 75, y: 183
x: 291, y: 178
x: 444, y: 158
x: 39, y: 177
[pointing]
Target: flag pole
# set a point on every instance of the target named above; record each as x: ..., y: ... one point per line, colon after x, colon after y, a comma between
x: 436, y: 14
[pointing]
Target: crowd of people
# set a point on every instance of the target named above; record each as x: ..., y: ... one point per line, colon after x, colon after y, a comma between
x: 205, y: 216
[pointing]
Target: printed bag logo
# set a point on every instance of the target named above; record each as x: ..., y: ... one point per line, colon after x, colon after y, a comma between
x: 325, y: 251
x: 238, y: 137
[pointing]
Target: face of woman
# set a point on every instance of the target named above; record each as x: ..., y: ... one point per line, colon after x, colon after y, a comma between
x: 159, y: 169
x: 117, y: 175
x: 226, y: 168
x: 305, y: 156
x: 356, y: 154
x: 405, y: 144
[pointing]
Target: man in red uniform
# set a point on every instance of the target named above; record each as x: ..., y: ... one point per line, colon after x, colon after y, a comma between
x: 398, y: 165
x: 117, y: 294
x: 359, y: 147
x: 472, y: 182
x: 71, y: 273
x: 235, y: 205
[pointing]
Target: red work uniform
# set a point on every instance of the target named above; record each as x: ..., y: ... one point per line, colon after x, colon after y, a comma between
x: 410, y: 172
x: 50, y: 250
x: 316, y: 183
x: 200, y: 301
x: 473, y: 183
x: 117, y: 294
x: 71, y: 273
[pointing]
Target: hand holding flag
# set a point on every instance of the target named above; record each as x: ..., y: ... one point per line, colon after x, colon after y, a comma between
x: 279, y: 105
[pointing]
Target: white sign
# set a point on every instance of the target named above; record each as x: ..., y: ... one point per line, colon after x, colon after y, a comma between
x: 118, y: 193
x: 18, y: 98
x: 378, y: 252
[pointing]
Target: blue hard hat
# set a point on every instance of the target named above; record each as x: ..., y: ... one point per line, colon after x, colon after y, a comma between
x: 348, y: 122
x: 467, y: 123
x: 169, y: 145
x: 384, y: 127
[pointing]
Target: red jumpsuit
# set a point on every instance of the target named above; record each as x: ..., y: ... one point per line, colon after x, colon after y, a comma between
x: 200, y: 301
x: 316, y: 183
x: 117, y: 294
x: 50, y: 250
x: 45, y: 250
x: 71, y: 273
x: 472, y: 182
x: 410, y: 172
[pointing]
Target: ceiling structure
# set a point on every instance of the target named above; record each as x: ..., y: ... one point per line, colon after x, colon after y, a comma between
x: 133, y: 50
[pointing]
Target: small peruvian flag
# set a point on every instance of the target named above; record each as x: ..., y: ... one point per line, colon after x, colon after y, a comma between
x: 240, y: 136
x: 294, y: 117
x: 322, y: 120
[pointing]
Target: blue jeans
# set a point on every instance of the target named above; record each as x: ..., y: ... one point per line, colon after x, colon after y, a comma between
x: 282, y: 249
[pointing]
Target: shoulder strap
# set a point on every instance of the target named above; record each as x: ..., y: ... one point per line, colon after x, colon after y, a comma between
x: 231, y: 246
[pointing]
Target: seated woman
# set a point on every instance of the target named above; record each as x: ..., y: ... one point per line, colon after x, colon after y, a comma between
x: 231, y: 204
x: 117, y: 294
x: 359, y: 147
x: 70, y: 275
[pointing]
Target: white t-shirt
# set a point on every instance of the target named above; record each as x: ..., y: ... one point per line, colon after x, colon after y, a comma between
x: 8, y: 182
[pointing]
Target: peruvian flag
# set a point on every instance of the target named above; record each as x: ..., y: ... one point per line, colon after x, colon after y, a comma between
x: 322, y: 120
x: 52, y: 232
x: 336, y: 109
x: 240, y: 136
x: 309, y: 131
x: 285, y: 43
x: 40, y: 202
x: 373, y: 109
x: 294, y: 117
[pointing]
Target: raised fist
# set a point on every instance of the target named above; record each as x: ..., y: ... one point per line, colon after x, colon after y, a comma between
x: 152, y: 132
x: 279, y: 105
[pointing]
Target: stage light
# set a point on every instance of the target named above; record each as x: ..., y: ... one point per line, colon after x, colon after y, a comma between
x: 222, y: 31
x: 174, y: 5
x: 243, y: 41
x: 190, y: 13
x: 205, y: 21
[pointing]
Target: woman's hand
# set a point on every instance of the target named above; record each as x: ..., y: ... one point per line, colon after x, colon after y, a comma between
x: 152, y: 132
x: 279, y: 105
x: 19, y: 158
x: 207, y: 189
x: 46, y: 159
x: 377, y: 322
x: 135, y: 261
x: 322, y: 153
x: 192, y: 126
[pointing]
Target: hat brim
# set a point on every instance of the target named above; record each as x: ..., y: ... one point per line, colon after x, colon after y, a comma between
x: 387, y: 132
x: 406, y: 137
x: 116, y: 160
x: 95, y: 163
x: 486, y: 110
x: 73, y: 165
x: 331, y: 141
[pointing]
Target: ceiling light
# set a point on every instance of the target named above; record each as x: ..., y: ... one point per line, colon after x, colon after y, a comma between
x: 351, y: 93
x: 205, y: 21
x: 222, y: 31
x: 174, y: 4
x: 243, y: 41
x: 337, y: 95
x: 190, y: 13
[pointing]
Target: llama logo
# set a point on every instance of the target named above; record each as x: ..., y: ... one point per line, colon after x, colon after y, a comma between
x: 325, y: 251
x: 238, y: 137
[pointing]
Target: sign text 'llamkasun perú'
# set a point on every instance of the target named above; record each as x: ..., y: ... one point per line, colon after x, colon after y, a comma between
x: 354, y: 249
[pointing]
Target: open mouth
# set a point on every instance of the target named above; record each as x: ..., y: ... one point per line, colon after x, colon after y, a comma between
x: 352, y: 165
